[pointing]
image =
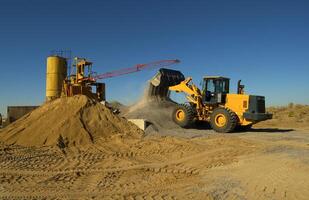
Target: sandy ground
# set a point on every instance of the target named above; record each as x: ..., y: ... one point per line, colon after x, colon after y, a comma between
x: 201, y: 164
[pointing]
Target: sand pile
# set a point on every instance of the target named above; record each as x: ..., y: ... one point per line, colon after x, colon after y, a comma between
x: 69, y: 121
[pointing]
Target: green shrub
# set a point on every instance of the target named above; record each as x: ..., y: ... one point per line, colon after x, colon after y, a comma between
x: 291, y: 114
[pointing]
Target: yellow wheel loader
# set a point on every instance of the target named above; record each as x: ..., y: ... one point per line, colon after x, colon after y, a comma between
x: 213, y: 103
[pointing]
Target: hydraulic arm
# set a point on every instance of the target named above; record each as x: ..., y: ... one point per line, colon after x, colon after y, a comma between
x: 194, y: 95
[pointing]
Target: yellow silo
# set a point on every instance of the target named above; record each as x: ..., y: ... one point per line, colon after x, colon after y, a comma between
x: 56, y: 72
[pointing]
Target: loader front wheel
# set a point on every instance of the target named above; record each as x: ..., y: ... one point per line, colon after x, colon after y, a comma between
x: 223, y: 120
x: 183, y: 115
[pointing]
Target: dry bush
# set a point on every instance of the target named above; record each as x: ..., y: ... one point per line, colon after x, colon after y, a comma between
x: 291, y: 115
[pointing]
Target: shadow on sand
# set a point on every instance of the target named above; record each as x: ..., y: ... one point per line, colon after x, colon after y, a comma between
x: 269, y: 130
x: 206, y: 126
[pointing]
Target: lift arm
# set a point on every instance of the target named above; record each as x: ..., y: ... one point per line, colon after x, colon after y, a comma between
x: 193, y: 92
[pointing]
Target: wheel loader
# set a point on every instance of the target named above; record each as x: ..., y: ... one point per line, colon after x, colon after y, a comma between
x: 214, y: 103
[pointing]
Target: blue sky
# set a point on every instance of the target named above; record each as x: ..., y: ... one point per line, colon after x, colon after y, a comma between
x: 264, y: 43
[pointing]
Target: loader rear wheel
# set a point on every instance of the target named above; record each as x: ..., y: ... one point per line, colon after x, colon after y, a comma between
x: 223, y: 120
x: 183, y: 115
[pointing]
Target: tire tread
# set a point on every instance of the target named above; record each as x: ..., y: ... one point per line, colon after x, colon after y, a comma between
x: 232, y: 120
x: 190, y: 115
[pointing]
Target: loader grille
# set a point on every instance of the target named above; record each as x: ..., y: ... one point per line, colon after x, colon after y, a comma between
x: 256, y: 104
x: 261, y: 105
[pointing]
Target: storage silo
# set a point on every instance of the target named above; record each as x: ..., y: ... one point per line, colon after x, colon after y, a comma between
x: 56, y: 72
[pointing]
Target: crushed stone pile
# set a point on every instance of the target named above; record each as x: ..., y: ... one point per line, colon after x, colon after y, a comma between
x: 68, y: 121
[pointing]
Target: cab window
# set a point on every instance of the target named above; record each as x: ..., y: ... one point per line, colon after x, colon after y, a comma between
x: 217, y: 85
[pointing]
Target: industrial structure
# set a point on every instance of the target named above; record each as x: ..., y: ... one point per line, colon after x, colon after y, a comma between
x: 82, y: 80
x: 213, y: 103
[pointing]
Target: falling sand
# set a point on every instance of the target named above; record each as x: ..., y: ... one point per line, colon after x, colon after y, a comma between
x: 156, y: 109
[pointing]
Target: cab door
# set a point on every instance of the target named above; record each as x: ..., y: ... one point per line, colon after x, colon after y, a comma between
x: 215, y: 90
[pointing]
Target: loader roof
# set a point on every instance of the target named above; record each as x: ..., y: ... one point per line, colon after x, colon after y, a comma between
x: 219, y: 77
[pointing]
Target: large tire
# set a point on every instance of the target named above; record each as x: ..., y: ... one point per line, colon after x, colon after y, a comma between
x: 184, y: 115
x: 223, y: 120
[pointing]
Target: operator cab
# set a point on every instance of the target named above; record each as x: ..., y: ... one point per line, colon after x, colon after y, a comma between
x: 215, y: 89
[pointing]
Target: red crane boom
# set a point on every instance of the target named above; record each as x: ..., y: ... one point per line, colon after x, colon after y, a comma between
x: 136, y: 68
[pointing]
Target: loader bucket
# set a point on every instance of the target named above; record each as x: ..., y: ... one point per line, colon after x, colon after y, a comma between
x: 167, y: 77
x: 160, y: 83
